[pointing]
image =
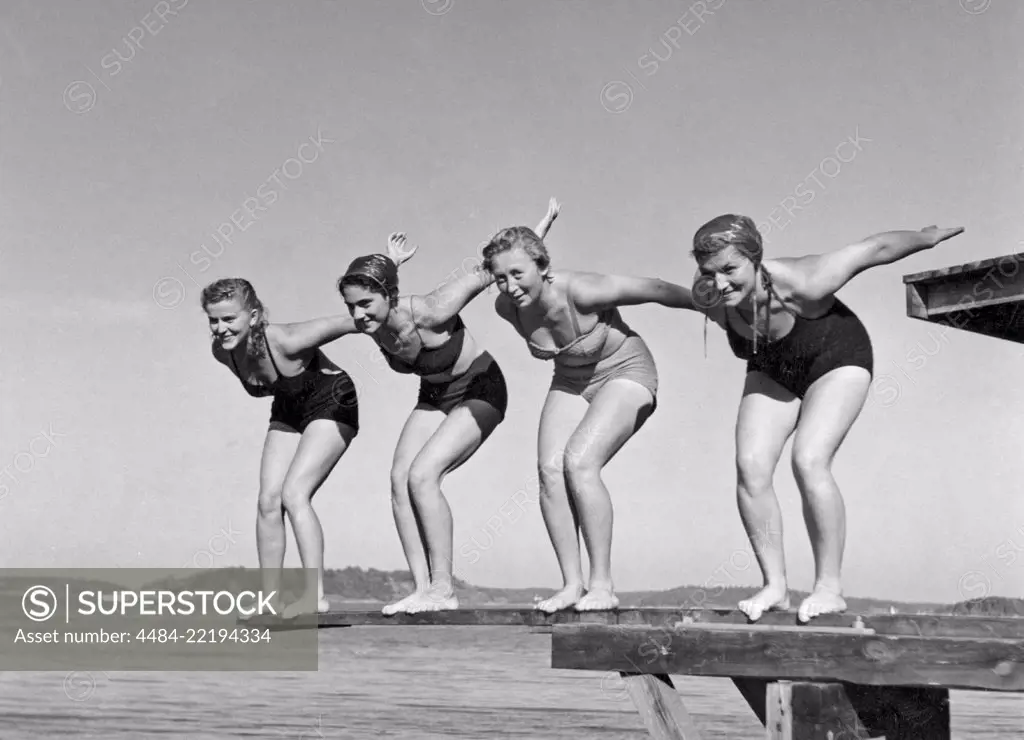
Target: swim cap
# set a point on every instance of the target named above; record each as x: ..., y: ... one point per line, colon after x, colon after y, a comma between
x: 376, y: 267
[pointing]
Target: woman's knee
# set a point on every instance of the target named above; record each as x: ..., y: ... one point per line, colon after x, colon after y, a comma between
x: 581, y: 470
x: 423, y: 476
x: 295, y: 495
x: 754, y: 473
x: 400, y: 484
x: 811, y: 463
x: 551, y: 481
x: 269, y: 503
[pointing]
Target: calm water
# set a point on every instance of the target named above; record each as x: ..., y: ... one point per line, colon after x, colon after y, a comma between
x: 414, y: 683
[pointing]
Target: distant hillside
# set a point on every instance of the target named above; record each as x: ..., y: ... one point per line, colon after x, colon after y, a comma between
x: 990, y: 606
x: 356, y: 584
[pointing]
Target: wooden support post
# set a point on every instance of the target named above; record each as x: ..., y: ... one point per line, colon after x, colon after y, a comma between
x: 660, y: 706
x: 811, y: 711
x: 800, y: 710
x: 902, y: 712
x: 754, y: 690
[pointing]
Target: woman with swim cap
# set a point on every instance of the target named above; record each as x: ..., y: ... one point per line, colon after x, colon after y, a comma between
x: 809, y: 367
x: 313, y: 420
x: 604, y: 388
x: 462, y: 399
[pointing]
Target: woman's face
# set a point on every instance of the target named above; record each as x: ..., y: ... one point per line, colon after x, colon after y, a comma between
x: 517, y: 276
x: 368, y: 307
x: 729, y: 276
x: 230, y: 322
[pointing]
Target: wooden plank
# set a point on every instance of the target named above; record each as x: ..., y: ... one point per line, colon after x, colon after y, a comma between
x: 998, y: 319
x: 917, y: 305
x: 920, y: 625
x: 848, y: 710
x: 901, y: 712
x: 812, y: 711
x: 985, y: 297
x: 936, y: 625
x: 779, y: 719
x: 754, y: 691
x: 987, y: 664
x: 1004, y: 266
x: 660, y: 706
x: 944, y: 302
x: 777, y: 628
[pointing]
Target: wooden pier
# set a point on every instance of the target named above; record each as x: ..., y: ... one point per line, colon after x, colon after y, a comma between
x: 841, y: 677
x: 985, y: 297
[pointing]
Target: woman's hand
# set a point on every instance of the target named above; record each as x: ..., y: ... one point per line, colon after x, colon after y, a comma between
x: 398, y: 249
x: 553, y: 208
x: 938, y: 235
x: 549, y: 218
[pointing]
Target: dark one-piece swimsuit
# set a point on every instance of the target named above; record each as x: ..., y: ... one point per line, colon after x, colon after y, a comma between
x: 812, y: 348
x: 483, y: 380
x: 312, y: 394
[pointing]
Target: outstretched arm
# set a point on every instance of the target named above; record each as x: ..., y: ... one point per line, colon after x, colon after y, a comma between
x: 592, y: 292
x: 296, y: 338
x: 821, y: 275
x: 301, y: 336
x: 452, y: 295
x: 549, y: 218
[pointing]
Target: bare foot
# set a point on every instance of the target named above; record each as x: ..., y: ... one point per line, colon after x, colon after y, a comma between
x: 437, y: 598
x: 821, y: 601
x: 598, y: 600
x: 305, y: 606
x: 768, y: 599
x: 565, y: 598
x: 396, y: 607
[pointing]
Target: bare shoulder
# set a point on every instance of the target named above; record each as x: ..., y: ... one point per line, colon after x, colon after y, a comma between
x: 788, y: 274
x: 577, y: 282
x: 418, y: 308
x: 790, y: 278
x: 581, y: 278
x: 274, y: 334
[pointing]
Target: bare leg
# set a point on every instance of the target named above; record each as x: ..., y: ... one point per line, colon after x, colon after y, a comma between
x: 616, y: 413
x: 559, y: 418
x: 271, y: 538
x: 421, y: 424
x: 767, y: 417
x: 323, y: 443
x: 454, y: 442
x: 830, y: 407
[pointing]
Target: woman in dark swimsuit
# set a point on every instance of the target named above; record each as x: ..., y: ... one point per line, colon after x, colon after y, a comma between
x: 313, y: 420
x: 809, y: 367
x: 462, y: 399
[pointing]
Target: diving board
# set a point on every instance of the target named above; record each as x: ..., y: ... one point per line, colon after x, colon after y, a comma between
x: 985, y: 297
x: 840, y: 677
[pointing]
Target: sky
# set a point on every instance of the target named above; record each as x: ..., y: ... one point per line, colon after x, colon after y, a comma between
x: 148, y: 148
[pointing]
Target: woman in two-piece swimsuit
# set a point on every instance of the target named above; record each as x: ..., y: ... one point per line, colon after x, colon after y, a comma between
x: 462, y: 399
x: 809, y: 368
x: 604, y: 388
